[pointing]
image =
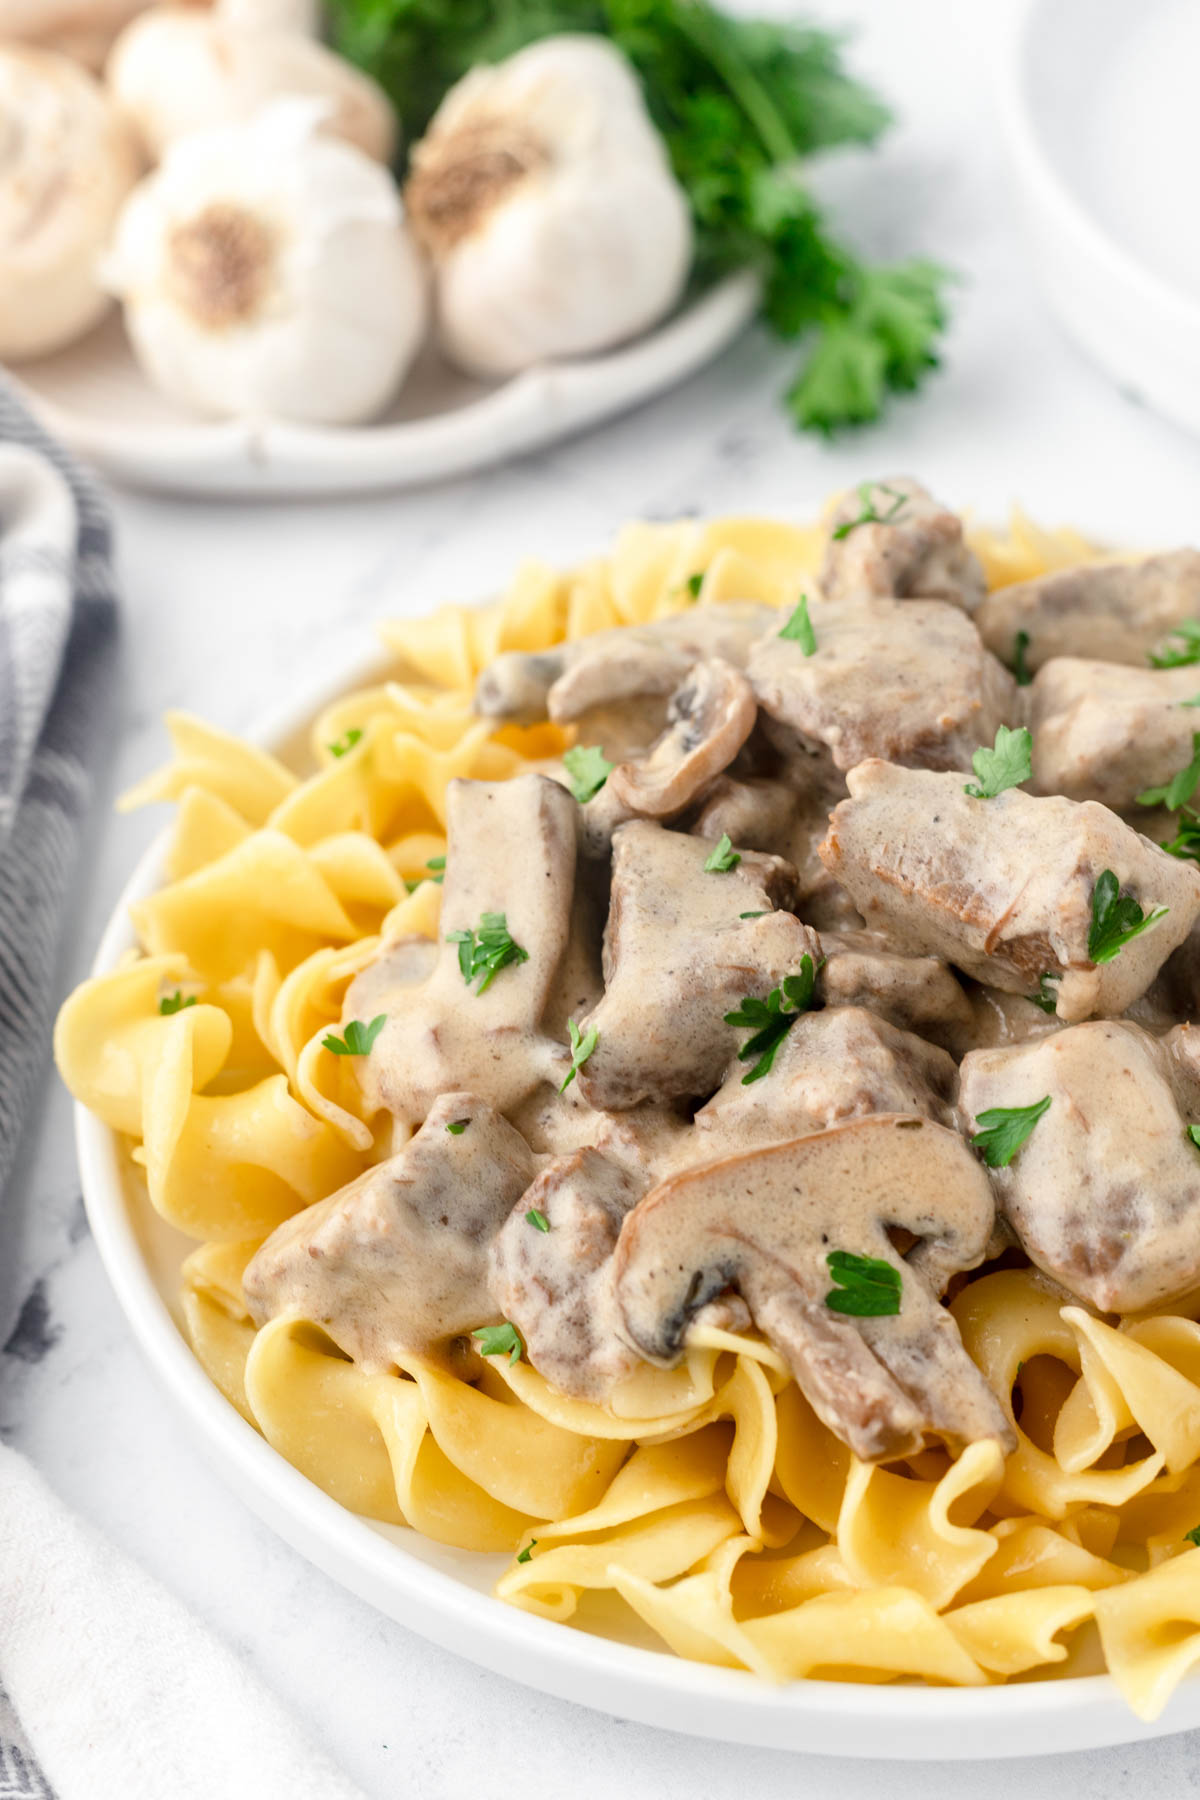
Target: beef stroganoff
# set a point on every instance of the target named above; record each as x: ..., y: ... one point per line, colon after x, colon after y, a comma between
x: 694, y: 1088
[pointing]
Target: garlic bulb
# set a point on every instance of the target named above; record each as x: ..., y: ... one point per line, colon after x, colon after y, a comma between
x: 66, y: 164
x: 271, y: 15
x: 176, y: 70
x: 544, y: 197
x: 266, y: 273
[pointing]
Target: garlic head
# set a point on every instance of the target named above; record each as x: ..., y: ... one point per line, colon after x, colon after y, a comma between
x: 66, y: 164
x: 177, y: 69
x: 267, y: 273
x: 544, y: 197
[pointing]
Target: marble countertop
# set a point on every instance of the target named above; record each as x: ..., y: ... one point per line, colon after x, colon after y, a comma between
x: 227, y: 606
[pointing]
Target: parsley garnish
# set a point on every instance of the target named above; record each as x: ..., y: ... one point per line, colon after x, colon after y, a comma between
x: 1194, y: 701
x: 1179, y: 790
x: 357, y: 1039
x: 1189, y: 651
x: 1020, y: 667
x: 456, y: 1127
x: 1116, y: 919
x: 1005, y: 1129
x: 798, y: 629
x: 346, y: 742
x: 867, y: 1286
x: 1193, y: 1132
x: 1190, y: 1537
x: 1187, y: 841
x: 500, y: 1340
x: 588, y: 768
x: 524, y: 1555
x: 761, y: 914
x: 1044, y: 997
x: 487, y: 952
x: 743, y: 105
x: 771, y: 1019
x: 868, y: 514
x: 1006, y: 765
x: 436, y: 862
x: 723, y: 858
x: 537, y: 1219
x: 581, y: 1049
x: 173, y: 1003
x: 694, y: 583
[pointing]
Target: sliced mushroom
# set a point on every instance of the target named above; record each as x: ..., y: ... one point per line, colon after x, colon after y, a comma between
x: 912, y: 545
x: 765, y: 1224
x: 711, y: 715
x: 397, y: 1262
x: 1117, y: 612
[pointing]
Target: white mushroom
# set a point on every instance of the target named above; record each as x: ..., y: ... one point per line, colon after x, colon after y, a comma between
x: 177, y: 69
x: 766, y: 1223
x: 711, y: 715
x: 66, y: 165
x: 266, y: 273
x: 544, y: 196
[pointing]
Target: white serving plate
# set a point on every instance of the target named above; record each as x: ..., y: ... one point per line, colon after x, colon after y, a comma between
x: 1097, y: 101
x: 94, y: 397
x: 445, y: 1594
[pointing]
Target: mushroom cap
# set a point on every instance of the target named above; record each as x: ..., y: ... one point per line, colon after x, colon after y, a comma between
x: 765, y: 1222
x: 711, y: 715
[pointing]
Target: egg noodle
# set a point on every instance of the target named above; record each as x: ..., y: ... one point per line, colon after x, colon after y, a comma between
x: 708, y: 1499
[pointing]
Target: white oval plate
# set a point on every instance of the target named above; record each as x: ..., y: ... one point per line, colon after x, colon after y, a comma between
x: 94, y: 397
x: 445, y: 1594
x: 1097, y: 99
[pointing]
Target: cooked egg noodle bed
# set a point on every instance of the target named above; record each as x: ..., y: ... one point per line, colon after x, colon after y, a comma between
x: 707, y: 1498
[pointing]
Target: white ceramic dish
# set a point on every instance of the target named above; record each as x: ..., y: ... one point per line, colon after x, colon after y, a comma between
x: 446, y: 1595
x: 95, y: 398
x: 1097, y: 100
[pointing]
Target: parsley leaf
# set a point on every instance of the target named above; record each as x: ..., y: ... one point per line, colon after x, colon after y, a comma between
x: 524, y: 1555
x: 500, y: 1340
x: 173, y: 1003
x: 1005, y: 1129
x: 537, y: 1219
x: 1194, y: 701
x: 1044, y: 997
x: 456, y: 1127
x: 1187, y: 840
x: 1020, y: 667
x: 1189, y: 647
x: 1116, y: 919
x: 1006, y: 765
x: 869, y: 513
x: 760, y: 914
x: 1179, y: 790
x: 346, y: 742
x: 1193, y: 1132
x: 867, y: 1286
x: 436, y: 862
x: 723, y: 858
x: 798, y: 629
x: 581, y: 1049
x: 694, y: 583
x: 1193, y: 1536
x: 357, y: 1038
x: 588, y: 768
x: 487, y: 951
x: 771, y: 1019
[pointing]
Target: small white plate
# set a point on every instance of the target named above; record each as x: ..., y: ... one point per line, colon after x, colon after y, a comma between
x: 445, y: 1594
x: 96, y: 399
x: 1098, y: 103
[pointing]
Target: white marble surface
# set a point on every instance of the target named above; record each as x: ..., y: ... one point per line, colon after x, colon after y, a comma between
x: 225, y: 607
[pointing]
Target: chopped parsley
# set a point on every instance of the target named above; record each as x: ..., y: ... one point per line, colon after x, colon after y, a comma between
x: 1020, y: 667
x: 867, y: 1286
x: 1193, y: 1132
x: 456, y: 1127
x: 1189, y: 1537
x: 1005, y: 1129
x: 436, y: 862
x: 486, y: 952
x: 500, y: 1340
x: 173, y: 1003
x: 1187, y: 840
x: 771, y: 1019
x: 537, y: 1219
x: 1006, y: 765
x: 588, y: 768
x: 346, y: 742
x: 1045, y: 997
x: 798, y: 629
x: 1167, y: 657
x: 1179, y: 790
x: 1194, y: 701
x: 524, y: 1555
x: 436, y: 865
x: 868, y: 514
x: 357, y: 1039
x: 694, y: 583
x: 1116, y: 919
x: 723, y: 858
x: 581, y: 1049
x: 761, y: 914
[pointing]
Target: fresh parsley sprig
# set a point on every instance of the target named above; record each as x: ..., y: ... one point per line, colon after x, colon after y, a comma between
x: 869, y: 513
x: 693, y: 584
x: 525, y: 1555
x: 1179, y: 790
x: 722, y: 858
x: 347, y: 741
x: 742, y: 105
x: 1045, y: 998
x: 1005, y: 1129
x: 1187, y: 651
x: 456, y: 1127
x: 1186, y: 841
x: 771, y: 1019
x: 1006, y: 765
x: 1193, y: 1132
x: 357, y: 1038
x: 173, y: 1003
x: 588, y: 768
x: 537, y: 1219
x: 799, y: 629
x: 582, y: 1046
x: 867, y: 1287
x: 486, y: 951
x: 1116, y: 919
x: 1193, y: 1536
x: 1020, y: 667
x: 500, y: 1340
